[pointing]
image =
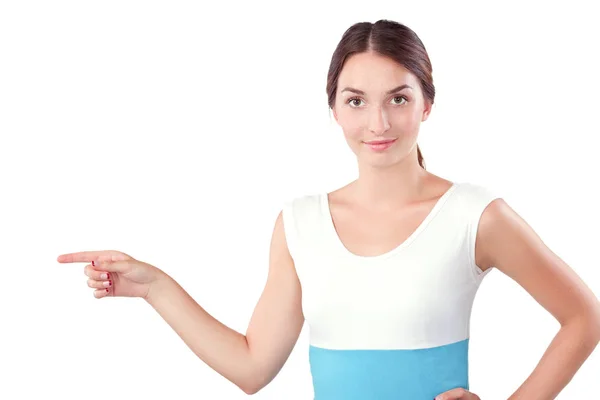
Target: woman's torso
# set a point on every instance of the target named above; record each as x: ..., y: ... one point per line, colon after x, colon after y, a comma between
x: 394, y: 324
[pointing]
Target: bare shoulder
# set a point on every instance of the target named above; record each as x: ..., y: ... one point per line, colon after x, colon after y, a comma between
x: 502, y: 230
x: 279, y: 246
x: 498, y: 215
x: 280, y: 254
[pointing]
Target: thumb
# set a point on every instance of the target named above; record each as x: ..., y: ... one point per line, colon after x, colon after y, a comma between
x: 454, y: 394
x: 117, y: 266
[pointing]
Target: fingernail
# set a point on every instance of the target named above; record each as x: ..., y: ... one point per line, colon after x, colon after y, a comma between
x: 107, y: 290
x: 107, y: 283
x: 93, y: 263
x: 104, y: 276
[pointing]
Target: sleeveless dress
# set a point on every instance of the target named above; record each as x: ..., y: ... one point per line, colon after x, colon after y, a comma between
x: 396, y: 325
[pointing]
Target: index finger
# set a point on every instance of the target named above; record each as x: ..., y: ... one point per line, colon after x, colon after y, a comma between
x: 89, y: 256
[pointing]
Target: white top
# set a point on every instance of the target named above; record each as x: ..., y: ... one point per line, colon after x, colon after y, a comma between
x: 394, y: 325
x: 417, y: 295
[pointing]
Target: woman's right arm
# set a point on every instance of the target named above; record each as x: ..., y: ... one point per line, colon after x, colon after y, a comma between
x: 250, y: 361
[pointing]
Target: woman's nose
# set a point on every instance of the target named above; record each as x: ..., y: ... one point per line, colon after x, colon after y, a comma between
x: 378, y: 121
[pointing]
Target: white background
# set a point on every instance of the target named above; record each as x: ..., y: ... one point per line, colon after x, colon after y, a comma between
x: 174, y: 132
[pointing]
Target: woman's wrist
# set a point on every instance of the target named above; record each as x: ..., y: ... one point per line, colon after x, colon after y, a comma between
x: 157, y: 286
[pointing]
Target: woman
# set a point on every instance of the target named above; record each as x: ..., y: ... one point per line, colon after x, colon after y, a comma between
x: 384, y: 269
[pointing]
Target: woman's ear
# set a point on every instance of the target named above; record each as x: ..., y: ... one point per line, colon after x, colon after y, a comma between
x: 426, y: 110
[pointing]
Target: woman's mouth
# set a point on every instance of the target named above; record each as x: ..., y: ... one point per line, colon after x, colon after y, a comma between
x: 380, y: 145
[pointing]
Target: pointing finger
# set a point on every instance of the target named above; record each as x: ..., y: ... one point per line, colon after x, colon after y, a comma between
x: 83, y: 256
x: 89, y: 256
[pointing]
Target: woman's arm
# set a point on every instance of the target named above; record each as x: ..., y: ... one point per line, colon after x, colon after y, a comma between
x: 250, y: 361
x: 507, y: 242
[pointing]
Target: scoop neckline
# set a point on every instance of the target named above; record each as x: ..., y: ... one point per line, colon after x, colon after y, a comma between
x: 334, y: 237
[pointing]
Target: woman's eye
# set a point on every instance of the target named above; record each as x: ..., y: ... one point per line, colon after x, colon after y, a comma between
x: 400, y: 98
x: 353, y: 101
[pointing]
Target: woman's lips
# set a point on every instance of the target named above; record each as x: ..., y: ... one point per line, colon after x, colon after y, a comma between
x: 380, y: 146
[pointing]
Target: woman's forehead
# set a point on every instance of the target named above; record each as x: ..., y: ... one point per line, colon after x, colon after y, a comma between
x: 368, y: 72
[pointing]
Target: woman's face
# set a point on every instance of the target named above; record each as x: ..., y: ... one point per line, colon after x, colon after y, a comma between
x: 378, y: 99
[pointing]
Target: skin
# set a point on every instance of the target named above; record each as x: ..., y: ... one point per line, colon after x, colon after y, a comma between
x: 393, y: 193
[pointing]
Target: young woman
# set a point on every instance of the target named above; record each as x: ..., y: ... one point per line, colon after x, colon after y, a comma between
x: 384, y: 269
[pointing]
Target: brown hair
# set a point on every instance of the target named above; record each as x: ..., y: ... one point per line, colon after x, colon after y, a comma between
x: 390, y: 39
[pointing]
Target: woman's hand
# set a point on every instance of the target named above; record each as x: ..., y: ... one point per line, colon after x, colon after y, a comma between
x: 457, y: 394
x: 113, y: 273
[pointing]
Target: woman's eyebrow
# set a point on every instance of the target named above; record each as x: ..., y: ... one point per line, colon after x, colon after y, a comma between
x: 394, y: 90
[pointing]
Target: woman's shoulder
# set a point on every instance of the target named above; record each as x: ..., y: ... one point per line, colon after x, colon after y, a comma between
x: 472, y: 198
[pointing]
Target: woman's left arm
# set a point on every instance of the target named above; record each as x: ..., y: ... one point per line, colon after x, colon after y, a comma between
x: 507, y: 242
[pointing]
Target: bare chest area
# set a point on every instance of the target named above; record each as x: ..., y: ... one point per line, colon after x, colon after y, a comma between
x: 368, y: 233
